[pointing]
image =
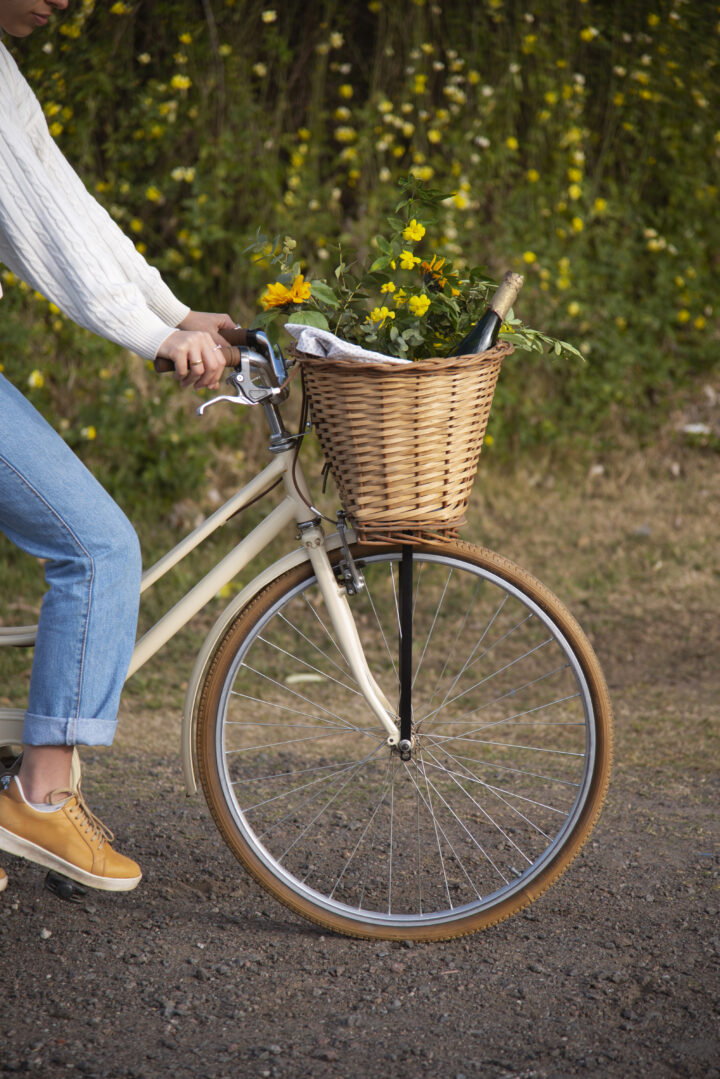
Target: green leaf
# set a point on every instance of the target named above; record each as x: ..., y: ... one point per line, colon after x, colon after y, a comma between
x: 323, y: 293
x: 380, y: 263
x: 308, y: 317
x: 268, y: 321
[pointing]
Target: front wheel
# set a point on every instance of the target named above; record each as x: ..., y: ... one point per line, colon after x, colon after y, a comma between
x: 510, y: 758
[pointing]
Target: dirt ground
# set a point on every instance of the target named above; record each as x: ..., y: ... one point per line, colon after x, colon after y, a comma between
x: 614, y: 972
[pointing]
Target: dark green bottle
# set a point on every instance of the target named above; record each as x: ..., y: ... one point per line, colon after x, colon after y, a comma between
x: 484, y: 333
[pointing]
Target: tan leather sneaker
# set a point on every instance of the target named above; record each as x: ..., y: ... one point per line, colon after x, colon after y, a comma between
x: 3, y: 880
x: 70, y: 840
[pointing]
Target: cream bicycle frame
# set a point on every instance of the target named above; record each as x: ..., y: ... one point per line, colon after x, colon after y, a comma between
x: 293, y: 508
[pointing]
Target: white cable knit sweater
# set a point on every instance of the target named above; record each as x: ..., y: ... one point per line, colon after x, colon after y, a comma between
x: 57, y: 237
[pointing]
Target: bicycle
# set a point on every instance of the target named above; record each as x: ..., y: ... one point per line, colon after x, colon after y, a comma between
x: 405, y: 741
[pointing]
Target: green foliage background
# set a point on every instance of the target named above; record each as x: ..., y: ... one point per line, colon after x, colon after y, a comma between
x: 580, y: 141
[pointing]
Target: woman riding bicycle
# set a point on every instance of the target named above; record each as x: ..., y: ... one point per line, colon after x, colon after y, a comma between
x: 58, y: 239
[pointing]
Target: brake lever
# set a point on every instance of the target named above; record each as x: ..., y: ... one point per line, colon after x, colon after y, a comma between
x: 247, y: 393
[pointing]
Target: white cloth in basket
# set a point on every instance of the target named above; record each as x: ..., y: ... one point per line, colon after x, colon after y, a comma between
x: 315, y: 342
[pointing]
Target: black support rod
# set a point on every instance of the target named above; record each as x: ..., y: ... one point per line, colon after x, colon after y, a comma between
x: 406, y: 613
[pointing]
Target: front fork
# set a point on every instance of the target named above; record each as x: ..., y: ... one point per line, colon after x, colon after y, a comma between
x: 343, y: 623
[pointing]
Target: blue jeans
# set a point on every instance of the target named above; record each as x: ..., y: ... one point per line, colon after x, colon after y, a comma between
x: 53, y: 508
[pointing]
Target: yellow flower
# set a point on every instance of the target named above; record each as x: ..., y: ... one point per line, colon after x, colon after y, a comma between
x: 89, y: 433
x: 278, y: 295
x: 36, y: 379
x: 575, y: 175
x: 700, y: 322
x: 300, y: 290
x: 600, y: 206
x: 683, y: 315
x: 269, y: 16
x: 414, y: 231
x: 512, y: 143
x: 389, y: 286
x: 119, y: 9
x: 529, y: 257
x: 588, y: 33
x: 574, y: 191
x: 573, y: 308
x: 532, y: 176
x: 182, y: 173
x: 181, y: 82
x: 152, y: 194
x: 400, y: 297
x: 380, y: 314
x: 346, y: 91
x: 345, y: 134
x: 577, y: 224
x: 136, y: 225
x: 408, y: 260
x: 419, y: 305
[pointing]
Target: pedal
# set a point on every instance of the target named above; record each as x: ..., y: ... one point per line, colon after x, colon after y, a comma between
x: 64, y: 888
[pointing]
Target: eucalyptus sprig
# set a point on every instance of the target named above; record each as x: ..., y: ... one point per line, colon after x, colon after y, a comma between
x: 409, y: 302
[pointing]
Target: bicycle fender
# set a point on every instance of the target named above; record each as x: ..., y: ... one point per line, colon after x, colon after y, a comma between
x: 187, y: 736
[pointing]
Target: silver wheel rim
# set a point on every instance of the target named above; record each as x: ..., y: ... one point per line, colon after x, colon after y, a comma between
x: 322, y: 792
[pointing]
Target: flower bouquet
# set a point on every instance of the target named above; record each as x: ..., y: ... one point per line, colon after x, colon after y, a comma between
x: 406, y: 302
x: 402, y: 440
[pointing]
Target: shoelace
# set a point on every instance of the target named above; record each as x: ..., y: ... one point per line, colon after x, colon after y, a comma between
x: 84, y: 815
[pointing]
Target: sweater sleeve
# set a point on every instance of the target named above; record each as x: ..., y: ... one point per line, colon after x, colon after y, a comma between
x: 59, y: 239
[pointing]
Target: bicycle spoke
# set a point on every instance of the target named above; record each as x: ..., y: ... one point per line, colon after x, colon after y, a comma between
x: 304, y: 663
x: 502, y: 746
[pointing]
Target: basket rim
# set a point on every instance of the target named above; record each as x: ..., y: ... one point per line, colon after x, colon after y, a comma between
x: 434, y: 363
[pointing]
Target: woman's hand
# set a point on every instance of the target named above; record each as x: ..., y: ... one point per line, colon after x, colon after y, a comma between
x: 197, y: 350
x: 209, y: 322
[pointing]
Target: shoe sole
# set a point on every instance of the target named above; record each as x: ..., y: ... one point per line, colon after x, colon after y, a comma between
x: 23, y: 848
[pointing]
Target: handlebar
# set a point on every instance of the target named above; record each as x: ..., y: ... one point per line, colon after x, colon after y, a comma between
x: 242, y: 338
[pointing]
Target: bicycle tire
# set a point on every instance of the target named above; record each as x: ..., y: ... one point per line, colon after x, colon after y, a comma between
x: 334, y: 833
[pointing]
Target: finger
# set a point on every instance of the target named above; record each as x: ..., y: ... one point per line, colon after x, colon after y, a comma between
x: 214, y: 365
x: 206, y: 374
x: 180, y: 359
x: 194, y: 369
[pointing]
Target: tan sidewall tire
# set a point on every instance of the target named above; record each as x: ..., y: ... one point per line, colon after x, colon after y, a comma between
x: 211, y: 693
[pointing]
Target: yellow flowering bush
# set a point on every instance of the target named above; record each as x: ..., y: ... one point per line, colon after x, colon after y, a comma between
x: 433, y: 304
x: 561, y: 147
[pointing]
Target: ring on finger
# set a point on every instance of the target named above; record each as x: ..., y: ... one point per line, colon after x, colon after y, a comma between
x: 195, y: 363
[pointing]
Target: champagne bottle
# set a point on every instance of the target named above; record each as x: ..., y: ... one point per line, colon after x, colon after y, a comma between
x: 484, y: 333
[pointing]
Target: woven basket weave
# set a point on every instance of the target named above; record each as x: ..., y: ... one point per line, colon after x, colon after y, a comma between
x: 403, y: 441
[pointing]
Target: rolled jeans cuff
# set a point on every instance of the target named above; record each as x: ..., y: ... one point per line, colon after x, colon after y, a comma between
x: 64, y: 731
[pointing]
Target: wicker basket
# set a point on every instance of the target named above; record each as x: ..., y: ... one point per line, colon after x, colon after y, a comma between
x: 403, y: 442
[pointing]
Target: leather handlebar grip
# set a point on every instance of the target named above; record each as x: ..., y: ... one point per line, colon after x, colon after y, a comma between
x: 236, y: 335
